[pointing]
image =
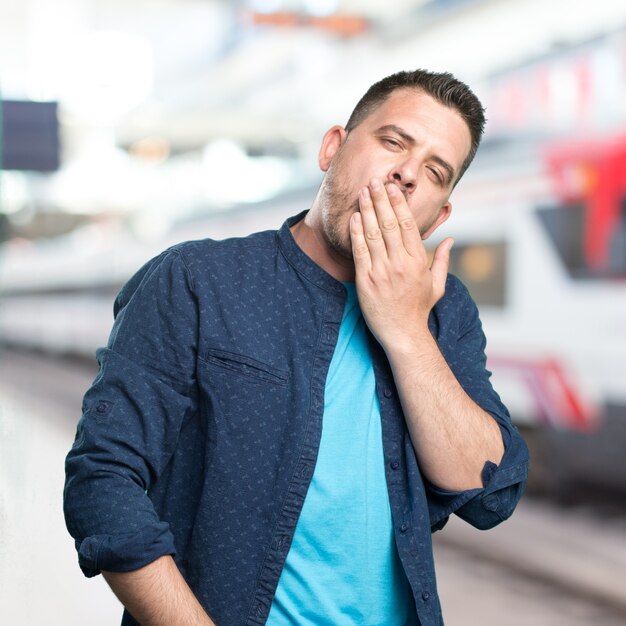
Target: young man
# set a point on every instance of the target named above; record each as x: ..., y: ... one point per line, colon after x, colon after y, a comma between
x: 280, y: 421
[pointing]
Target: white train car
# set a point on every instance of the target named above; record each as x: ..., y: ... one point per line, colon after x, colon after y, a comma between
x: 541, y: 244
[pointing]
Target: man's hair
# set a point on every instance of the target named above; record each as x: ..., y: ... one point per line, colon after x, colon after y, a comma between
x: 442, y: 87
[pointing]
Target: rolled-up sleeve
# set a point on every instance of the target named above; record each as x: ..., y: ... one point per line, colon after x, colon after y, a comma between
x: 486, y: 507
x: 503, y: 484
x: 132, y: 416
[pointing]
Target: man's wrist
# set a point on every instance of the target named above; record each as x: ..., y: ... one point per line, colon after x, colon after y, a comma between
x: 418, y: 341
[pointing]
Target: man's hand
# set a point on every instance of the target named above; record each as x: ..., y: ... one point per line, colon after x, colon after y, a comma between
x: 396, y: 285
x: 452, y: 436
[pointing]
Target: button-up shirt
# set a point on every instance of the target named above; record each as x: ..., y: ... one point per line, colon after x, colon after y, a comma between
x: 200, y: 433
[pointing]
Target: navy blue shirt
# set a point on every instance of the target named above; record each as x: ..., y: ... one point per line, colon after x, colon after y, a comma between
x: 200, y: 433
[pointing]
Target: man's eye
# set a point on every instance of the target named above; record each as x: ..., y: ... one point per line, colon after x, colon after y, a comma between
x: 392, y: 142
x: 436, y: 174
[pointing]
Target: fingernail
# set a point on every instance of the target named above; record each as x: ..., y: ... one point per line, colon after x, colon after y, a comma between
x: 365, y: 193
x: 375, y: 183
x: 392, y: 190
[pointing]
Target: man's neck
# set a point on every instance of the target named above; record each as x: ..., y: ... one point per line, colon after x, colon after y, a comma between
x: 308, y: 235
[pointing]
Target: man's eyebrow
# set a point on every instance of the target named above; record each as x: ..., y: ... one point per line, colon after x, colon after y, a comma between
x: 398, y: 131
x: 450, y: 173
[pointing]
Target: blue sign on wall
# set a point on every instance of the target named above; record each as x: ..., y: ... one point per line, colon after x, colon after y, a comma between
x: 29, y: 136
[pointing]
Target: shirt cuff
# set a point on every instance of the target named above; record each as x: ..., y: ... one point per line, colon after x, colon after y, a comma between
x: 126, y: 552
x: 503, y: 486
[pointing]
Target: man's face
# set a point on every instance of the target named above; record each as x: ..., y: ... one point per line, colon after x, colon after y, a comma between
x: 410, y: 140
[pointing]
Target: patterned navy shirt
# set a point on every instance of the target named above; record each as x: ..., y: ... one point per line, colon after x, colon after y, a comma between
x: 200, y: 433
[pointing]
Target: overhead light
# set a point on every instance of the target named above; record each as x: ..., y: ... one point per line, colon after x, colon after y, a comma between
x: 227, y: 167
x: 106, y: 74
x: 14, y: 192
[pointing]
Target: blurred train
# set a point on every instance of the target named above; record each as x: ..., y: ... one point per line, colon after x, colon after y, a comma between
x: 545, y: 265
x: 542, y: 248
x: 540, y: 240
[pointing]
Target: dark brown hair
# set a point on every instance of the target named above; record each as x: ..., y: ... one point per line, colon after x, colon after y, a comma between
x: 441, y: 86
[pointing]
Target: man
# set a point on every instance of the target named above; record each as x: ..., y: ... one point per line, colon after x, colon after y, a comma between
x: 281, y: 420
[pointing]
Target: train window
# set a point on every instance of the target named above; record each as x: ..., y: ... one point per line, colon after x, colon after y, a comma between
x: 588, y: 245
x: 483, y: 268
x: 617, y: 251
x: 564, y: 226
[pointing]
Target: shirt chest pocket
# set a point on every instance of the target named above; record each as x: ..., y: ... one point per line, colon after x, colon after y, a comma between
x: 249, y: 404
x: 245, y: 368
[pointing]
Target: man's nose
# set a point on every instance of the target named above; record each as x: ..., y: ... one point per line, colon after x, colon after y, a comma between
x: 405, y: 175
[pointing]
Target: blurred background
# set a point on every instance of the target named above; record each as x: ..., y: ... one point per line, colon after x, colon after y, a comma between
x: 128, y: 126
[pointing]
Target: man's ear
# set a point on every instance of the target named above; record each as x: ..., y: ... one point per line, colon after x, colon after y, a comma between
x: 442, y: 216
x: 332, y: 141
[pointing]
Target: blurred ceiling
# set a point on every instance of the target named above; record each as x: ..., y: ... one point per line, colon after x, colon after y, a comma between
x: 167, y: 106
x: 272, y: 74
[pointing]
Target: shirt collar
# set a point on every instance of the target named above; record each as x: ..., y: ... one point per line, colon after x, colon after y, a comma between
x: 301, y: 262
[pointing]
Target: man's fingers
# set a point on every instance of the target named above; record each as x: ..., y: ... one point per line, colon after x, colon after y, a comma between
x: 360, y: 249
x: 409, y: 232
x: 372, y: 232
x: 439, y: 268
x: 386, y: 215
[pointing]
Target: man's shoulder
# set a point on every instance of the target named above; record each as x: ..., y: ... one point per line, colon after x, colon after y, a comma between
x: 209, y: 246
x: 456, y: 292
x: 196, y: 259
x: 229, y: 251
x: 456, y: 308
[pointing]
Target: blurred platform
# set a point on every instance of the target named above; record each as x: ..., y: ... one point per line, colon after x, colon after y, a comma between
x: 547, y: 566
x: 40, y: 581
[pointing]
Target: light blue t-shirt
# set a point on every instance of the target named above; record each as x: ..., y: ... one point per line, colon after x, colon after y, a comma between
x: 343, y: 566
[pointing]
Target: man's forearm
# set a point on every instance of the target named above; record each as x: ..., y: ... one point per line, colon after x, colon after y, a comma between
x: 158, y: 595
x: 397, y: 287
x: 452, y: 436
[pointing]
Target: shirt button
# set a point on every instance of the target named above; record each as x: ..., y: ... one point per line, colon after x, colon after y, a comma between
x: 331, y: 333
x: 395, y: 465
x: 404, y: 527
x: 425, y: 595
x: 387, y: 392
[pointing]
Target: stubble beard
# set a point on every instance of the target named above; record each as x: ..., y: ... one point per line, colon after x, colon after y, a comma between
x: 338, y: 203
